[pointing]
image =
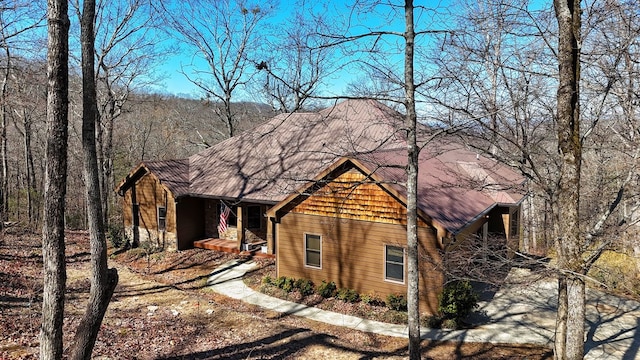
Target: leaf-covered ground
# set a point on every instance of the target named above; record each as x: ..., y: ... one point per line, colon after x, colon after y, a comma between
x: 162, y: 310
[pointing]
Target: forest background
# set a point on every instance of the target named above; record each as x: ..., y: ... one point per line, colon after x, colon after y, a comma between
x: 487, y: 69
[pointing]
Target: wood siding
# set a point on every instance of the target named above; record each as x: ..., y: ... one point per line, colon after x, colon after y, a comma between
x: 353, y: 255
x: 353, y: 196
x: 149, y: 194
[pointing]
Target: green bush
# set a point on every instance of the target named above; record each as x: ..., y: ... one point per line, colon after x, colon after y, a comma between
x: 450, y: 324
x: 433, y: 321
x: 305, y: 286
x: 327, y: 289
x: 457, y: 300
x: 267, y: 280
x: 347, y: 295
x: 372, y: 299
x: 397, y: 302
x: 284, y: 283
x: 287, y: 285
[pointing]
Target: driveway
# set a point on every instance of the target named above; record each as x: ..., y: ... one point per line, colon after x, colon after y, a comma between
x: 525, y: 309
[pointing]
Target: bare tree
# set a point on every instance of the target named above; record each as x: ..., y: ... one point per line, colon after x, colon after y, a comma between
x: 53, y: 247
x: 222, y: 39
x: 17, y: 20
x: 103, y: 279
x: 27, y: 103
x: 497, y: 80
x: 127, y: 48
x: 569, y: 341
x: 379, y: 50
x: 296, y: 65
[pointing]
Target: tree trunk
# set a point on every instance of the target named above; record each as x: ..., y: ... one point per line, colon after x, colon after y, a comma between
x: 567, y: 211
x: 55, y: 182
x: 560, y: 342
x: 4, y: 191
x: 103, y: 280
x: 413, y: 277
x: 29, y: 168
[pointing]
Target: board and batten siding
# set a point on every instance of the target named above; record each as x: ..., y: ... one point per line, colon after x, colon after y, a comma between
x: 355, y: 220
x: 149, y: 195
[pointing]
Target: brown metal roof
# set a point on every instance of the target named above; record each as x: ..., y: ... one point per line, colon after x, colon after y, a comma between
x: 272, y: 160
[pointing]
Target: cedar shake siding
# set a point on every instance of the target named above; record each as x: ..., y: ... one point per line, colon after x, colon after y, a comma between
x: 142, y: 202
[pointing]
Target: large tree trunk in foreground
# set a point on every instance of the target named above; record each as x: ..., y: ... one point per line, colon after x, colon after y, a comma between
x: 103, y: 280
x: 55, y: 182
x: 569, y: 341
x: 413, y: 278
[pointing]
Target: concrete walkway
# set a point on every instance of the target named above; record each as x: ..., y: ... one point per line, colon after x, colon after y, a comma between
x: 515, y: 315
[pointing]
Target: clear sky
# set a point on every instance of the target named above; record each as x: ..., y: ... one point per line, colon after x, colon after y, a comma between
x: 438, y: 16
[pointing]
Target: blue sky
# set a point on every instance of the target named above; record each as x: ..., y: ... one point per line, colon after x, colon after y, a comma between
x: 176, y: 83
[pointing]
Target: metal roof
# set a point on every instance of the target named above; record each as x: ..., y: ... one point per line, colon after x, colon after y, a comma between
x: 272, y: 160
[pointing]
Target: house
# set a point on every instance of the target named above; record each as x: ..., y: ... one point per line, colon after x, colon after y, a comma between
x: 324, y: 192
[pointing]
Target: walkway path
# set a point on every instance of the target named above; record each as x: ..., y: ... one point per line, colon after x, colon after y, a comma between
x: 516, y: 315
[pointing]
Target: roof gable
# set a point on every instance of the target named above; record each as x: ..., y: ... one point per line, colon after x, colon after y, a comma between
x: 171, y: 173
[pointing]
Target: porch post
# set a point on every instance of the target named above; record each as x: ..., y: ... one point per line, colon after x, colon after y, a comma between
x: 240, y: 227
x: 270, y: 235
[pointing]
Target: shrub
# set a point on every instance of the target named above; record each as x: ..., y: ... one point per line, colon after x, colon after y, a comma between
x: 327, y: 289
x: 397, y: 302
x: 267, y: 280
x: 305, y: 286
x: 284, y: 283
x: 372, y: 299
x: 347, y: 295
x: 287, y: 284
x: 451, y: 324
x: 457, y: 300
x: 115, y: 234
x: 433, y: 321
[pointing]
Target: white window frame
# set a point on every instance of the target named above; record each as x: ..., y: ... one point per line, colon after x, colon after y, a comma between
x: 305, y: 248
x: 404, y: 262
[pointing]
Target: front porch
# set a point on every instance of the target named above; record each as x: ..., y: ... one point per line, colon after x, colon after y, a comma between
x: 231, y: 246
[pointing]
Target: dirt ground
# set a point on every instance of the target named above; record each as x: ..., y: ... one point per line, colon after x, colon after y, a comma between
x: 162, y: 309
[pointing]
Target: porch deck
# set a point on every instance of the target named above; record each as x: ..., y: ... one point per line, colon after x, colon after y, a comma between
x: 223, y: 245
x: 228, y: 246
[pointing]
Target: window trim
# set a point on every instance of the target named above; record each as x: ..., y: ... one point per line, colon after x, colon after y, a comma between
x: 386, y: 261
x: 306, y: 250
x: 164, y: 218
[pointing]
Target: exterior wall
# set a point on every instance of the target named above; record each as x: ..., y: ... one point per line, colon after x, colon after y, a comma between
x: 355, y: 220
x: 149, y: 194
x: 353, y: 255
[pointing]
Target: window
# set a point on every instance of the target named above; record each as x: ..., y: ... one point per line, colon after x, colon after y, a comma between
x: 254, y: 217
x: 514, y: 231
x: 394, y: 263
x: 162, y: 218
x: 312, y: 250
